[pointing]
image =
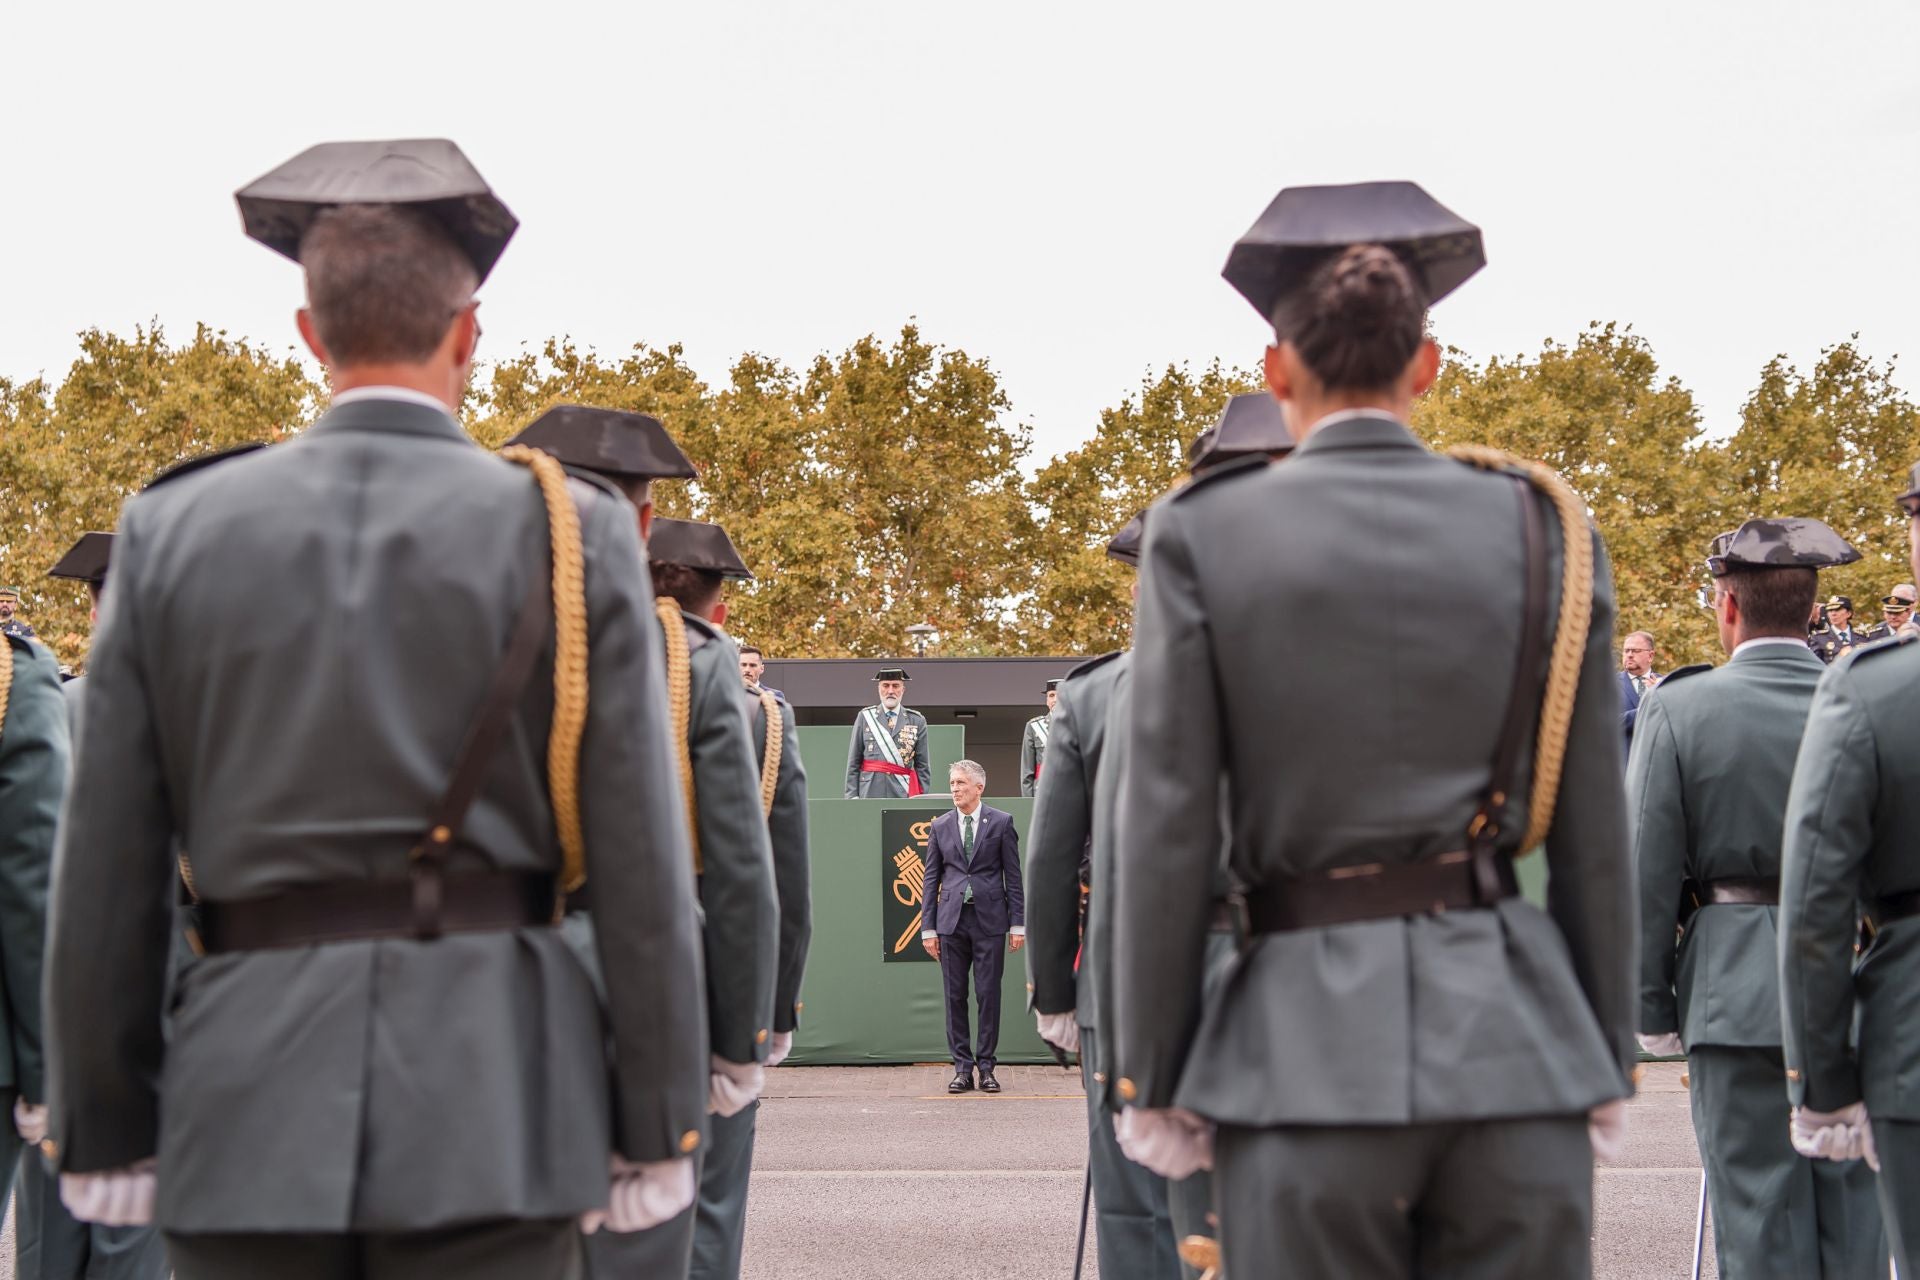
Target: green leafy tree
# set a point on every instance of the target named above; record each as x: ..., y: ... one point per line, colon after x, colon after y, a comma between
x: 1629, y: 441
x: 1082, y: 601
x: 127, y: 409
x: 1833, y: 444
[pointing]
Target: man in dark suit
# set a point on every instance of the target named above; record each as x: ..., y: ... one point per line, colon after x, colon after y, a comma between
x: 1636, y: 678
x: 973, y: 901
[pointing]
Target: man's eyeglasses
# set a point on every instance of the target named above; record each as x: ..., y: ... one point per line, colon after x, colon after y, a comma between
x: 1909, y: 507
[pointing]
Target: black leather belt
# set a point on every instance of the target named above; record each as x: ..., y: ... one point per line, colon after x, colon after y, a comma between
x: 361, y: 910
x: 1744, y: 891
x: 1896, y: 906
x: 1377, y: 891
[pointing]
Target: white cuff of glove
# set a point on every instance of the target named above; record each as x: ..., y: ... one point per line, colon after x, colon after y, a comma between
x: 1665, y: 1045
x: 778, y: 1050
x: 1846, y: 1134
x: 1174, y: 1143
x: 733, y: 1086
x: 29, y: 1121
x: 117, y: 1198
x: 644, y: 1195
x: 1607, y: 1130
x: 1060, y: 1029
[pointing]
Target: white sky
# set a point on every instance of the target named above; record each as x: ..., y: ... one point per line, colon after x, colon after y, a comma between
x: 1053, y: 186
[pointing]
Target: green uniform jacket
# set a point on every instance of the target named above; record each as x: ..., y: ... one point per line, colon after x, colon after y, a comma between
x: 1851, y: 819
x: 33, y: 770
x: 1033, y: 751
x: 365, y: 1085
x: 792, y: 860
x: 861, y: 748
x: 1383, y: 756
x: 1706, y: 795
x: 742, y: 924
x: 1057, y: 842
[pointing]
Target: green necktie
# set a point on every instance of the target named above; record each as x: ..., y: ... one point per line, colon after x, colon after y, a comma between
x: 966, y: 847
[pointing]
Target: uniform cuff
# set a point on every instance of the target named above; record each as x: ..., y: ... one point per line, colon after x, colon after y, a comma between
x: 927, y: 933
x: 1018, y: 930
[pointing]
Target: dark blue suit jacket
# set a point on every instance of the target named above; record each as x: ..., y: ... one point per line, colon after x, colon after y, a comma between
x: 998, y: 903
x: 1629, y: 707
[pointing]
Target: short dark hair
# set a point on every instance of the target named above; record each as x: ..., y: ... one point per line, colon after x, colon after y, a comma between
x: 753, y: 649
x: 1775, y: 602
x: 694, y: 590
x: 1357, y: 320
x: 383, y: 283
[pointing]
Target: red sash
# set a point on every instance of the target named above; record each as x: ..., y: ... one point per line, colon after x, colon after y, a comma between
x: 897, y: 770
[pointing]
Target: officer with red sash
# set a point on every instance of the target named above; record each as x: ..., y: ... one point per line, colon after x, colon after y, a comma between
x: 887, y: 756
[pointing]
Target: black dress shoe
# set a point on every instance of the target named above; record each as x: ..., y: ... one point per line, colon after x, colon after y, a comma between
x: 962, y: 1082
x: 988, y: 1084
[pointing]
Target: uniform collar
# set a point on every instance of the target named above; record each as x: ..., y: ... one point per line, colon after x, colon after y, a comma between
x: 1767, y: 648
x: 1357, y: 429
x: 390, y: 409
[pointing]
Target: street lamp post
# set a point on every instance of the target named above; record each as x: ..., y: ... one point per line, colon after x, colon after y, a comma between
x: 922, y: 634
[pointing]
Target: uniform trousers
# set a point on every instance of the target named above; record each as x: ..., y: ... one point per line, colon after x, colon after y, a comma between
x: 1132, y: 1220
x: 971, y: 948
x: 520, y: 1250
x: 1898, y: 1143
x: 1479, y: 1200
x: 1190, y: 1200
x: 50, y: 1244
x: 1775, y: 1215
x: 720, y: 1213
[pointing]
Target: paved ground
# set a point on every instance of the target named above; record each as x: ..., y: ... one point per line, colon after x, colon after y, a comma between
x: 876, y: 1172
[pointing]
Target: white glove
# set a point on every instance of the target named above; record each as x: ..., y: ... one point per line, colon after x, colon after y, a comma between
x: 1061, y: 1029
x: 733, y: 1085
x: 1607, y: 1130
x: 117, y: 1198
x: 30, y: 1121
x: 1845, y: 1134
x: 1665, y: 1045
x: 782, y: 1046
x: 1174, y: 1143
x: 644, y: 1195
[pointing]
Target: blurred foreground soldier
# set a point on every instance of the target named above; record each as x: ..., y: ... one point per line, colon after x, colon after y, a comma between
x: 1839, y: 635
x: 50, y: 1243
x: 1408, y: 1062
x: 389, y: 1063
x: 34, y: 749
x: 1849, y: 845
x: 1133, y: 1224
x: 1896, y: 611
x: 1033, y: 743
x: 887, y: 755
x: 1706, y: 796
x: 10, y: 623
x: 720, y: 778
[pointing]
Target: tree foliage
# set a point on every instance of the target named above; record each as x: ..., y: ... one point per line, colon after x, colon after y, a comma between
x: 884, y: 485
x: 127, y: 409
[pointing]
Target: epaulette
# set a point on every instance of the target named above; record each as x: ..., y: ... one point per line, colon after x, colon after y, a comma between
x: 1091, y: 663
x: 1681, y: 673
x: 202, y: 462
x: 25, y: 644
x: 1248, y: 465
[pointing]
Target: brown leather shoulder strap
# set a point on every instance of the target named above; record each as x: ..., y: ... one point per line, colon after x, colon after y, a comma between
x: 1520, y: 700
x: 477, y: 751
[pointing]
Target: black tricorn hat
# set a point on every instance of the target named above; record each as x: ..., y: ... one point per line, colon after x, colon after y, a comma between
x: 1305, y: 225
x: 892, y: 673
x: 86, y: 560
x: 1053, y: 684
x: 1913, y: 484
x: 694, y: 544
x: 610, y: 441
x: 1791, y: 542
x: 1125, y: 546
x: 1250, y: 424
x: 431, y: 174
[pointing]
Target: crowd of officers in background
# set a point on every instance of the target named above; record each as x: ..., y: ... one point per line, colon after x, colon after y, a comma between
x: 495, y: 889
